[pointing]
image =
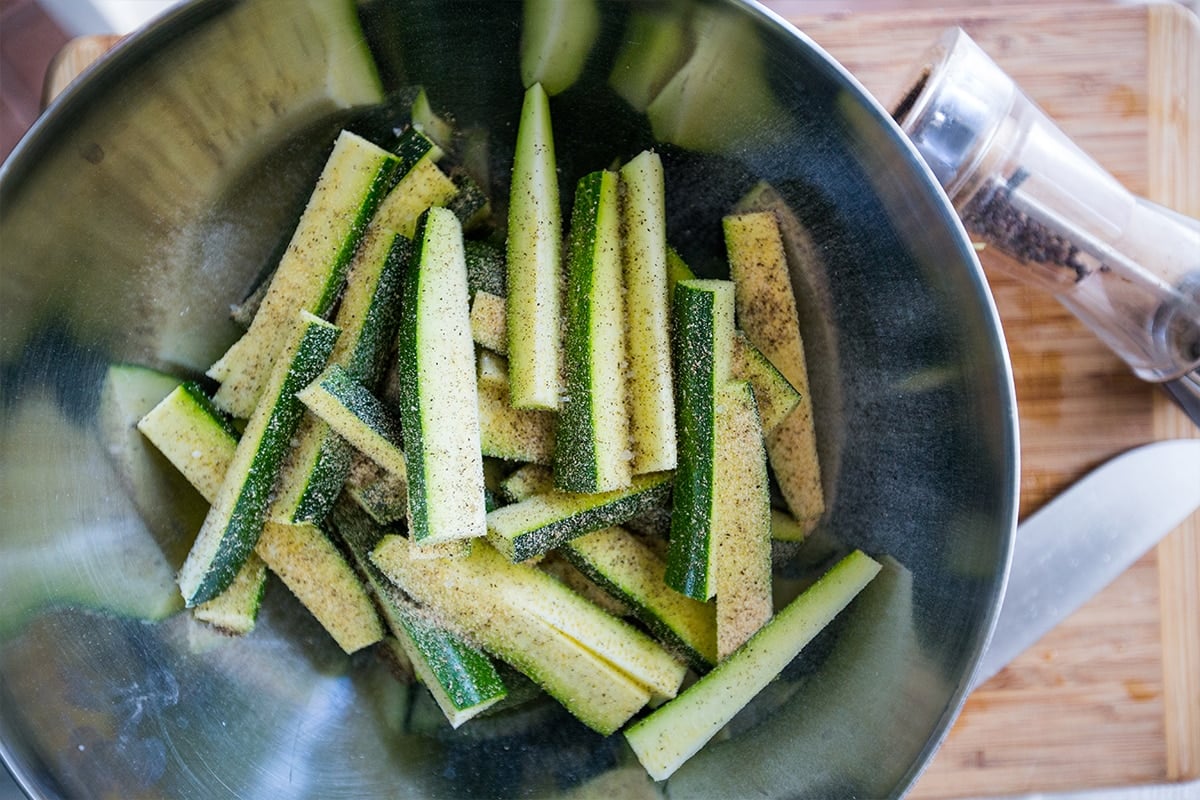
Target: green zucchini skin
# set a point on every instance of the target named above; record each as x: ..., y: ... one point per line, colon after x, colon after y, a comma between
x: 311, y: 273
x: 487, y: 269
x: 600, y: 668
x: 775, y: 396
x: 438, y: 391
x: 313, y: 475
x: 369, y: 313
x: 411, y: 146
x: 357, y: 416
x: 199, y: 398
x: 235, y: 520
x: 470, y: 203
x: 542, y: 522
x: 630, y: 571
x: 592, y: 448
x: 194, y: 435
x: 235, y: 610
x: 462, y: 678
x: 666, y: 738
x: 381, y: 494
x: 200, y: 441
x: 319, y: 463
x: 703, y: 322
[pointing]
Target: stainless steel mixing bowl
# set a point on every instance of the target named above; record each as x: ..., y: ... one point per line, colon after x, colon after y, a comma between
x: 148, y: 199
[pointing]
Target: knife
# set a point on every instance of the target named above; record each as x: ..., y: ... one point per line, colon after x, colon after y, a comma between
x: 1078, y: 543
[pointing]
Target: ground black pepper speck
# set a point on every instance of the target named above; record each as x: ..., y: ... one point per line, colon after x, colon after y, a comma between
x: 991, y: 215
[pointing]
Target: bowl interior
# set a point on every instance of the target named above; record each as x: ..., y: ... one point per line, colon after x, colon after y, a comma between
x: 153, y: 195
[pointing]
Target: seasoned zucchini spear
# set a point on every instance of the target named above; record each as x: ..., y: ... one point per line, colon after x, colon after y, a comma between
x: 439, y: 412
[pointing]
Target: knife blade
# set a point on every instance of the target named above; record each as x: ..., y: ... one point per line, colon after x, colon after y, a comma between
x: 1078, y: 543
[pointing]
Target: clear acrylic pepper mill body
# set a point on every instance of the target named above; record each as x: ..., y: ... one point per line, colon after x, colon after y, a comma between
x: 1128, y: 268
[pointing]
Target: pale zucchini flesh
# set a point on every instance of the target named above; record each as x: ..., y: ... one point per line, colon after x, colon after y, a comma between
x: 194, y: 435
x: 309, y: 277
x: 439, y: 413
x: 199, y: 441
x: 565, y: 572
x: 489, y: 324
x: 239, y: 510
x: 493, y: 371
x: 677, y: 730
x: 164, y: 499
x: 235, y: 610
x: 430, y: 125
x: 357, y: 416
x: 648, y: 314
x: 534, y: 296
x: 613, y: 639
x: 766, y: 302
x: 461, y: 678
x: 785, y: 528
x: 317, y: 573
x: 742, y: 511
x: 592, y: 448
x: 468, y: 595
x: 677, y: 270
x: 655, y: 47
x: 766, y: 310
x: 704, y: 106
x: 422, y: 188
x: 526, y: 481
x: 513, y: 434
x: 633, y: 573
x: 792, y: 450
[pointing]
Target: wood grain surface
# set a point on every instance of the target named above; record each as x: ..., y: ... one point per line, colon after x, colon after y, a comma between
x: 1111, y: 696
x: 1174, y: 180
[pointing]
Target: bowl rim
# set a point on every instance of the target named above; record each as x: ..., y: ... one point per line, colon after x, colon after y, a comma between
x: 92, y: 83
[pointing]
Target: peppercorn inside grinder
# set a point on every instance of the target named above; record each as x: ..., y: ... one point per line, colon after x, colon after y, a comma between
x: 1128, y: 268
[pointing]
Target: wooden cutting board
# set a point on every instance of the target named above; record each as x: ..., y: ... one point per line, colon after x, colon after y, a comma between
x: 1111, y: 697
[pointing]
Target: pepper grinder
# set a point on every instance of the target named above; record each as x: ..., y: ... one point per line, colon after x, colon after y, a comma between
x: 1128, y: 268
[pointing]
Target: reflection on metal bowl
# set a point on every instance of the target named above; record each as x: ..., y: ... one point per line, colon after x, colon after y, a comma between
x: 151, y: 196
